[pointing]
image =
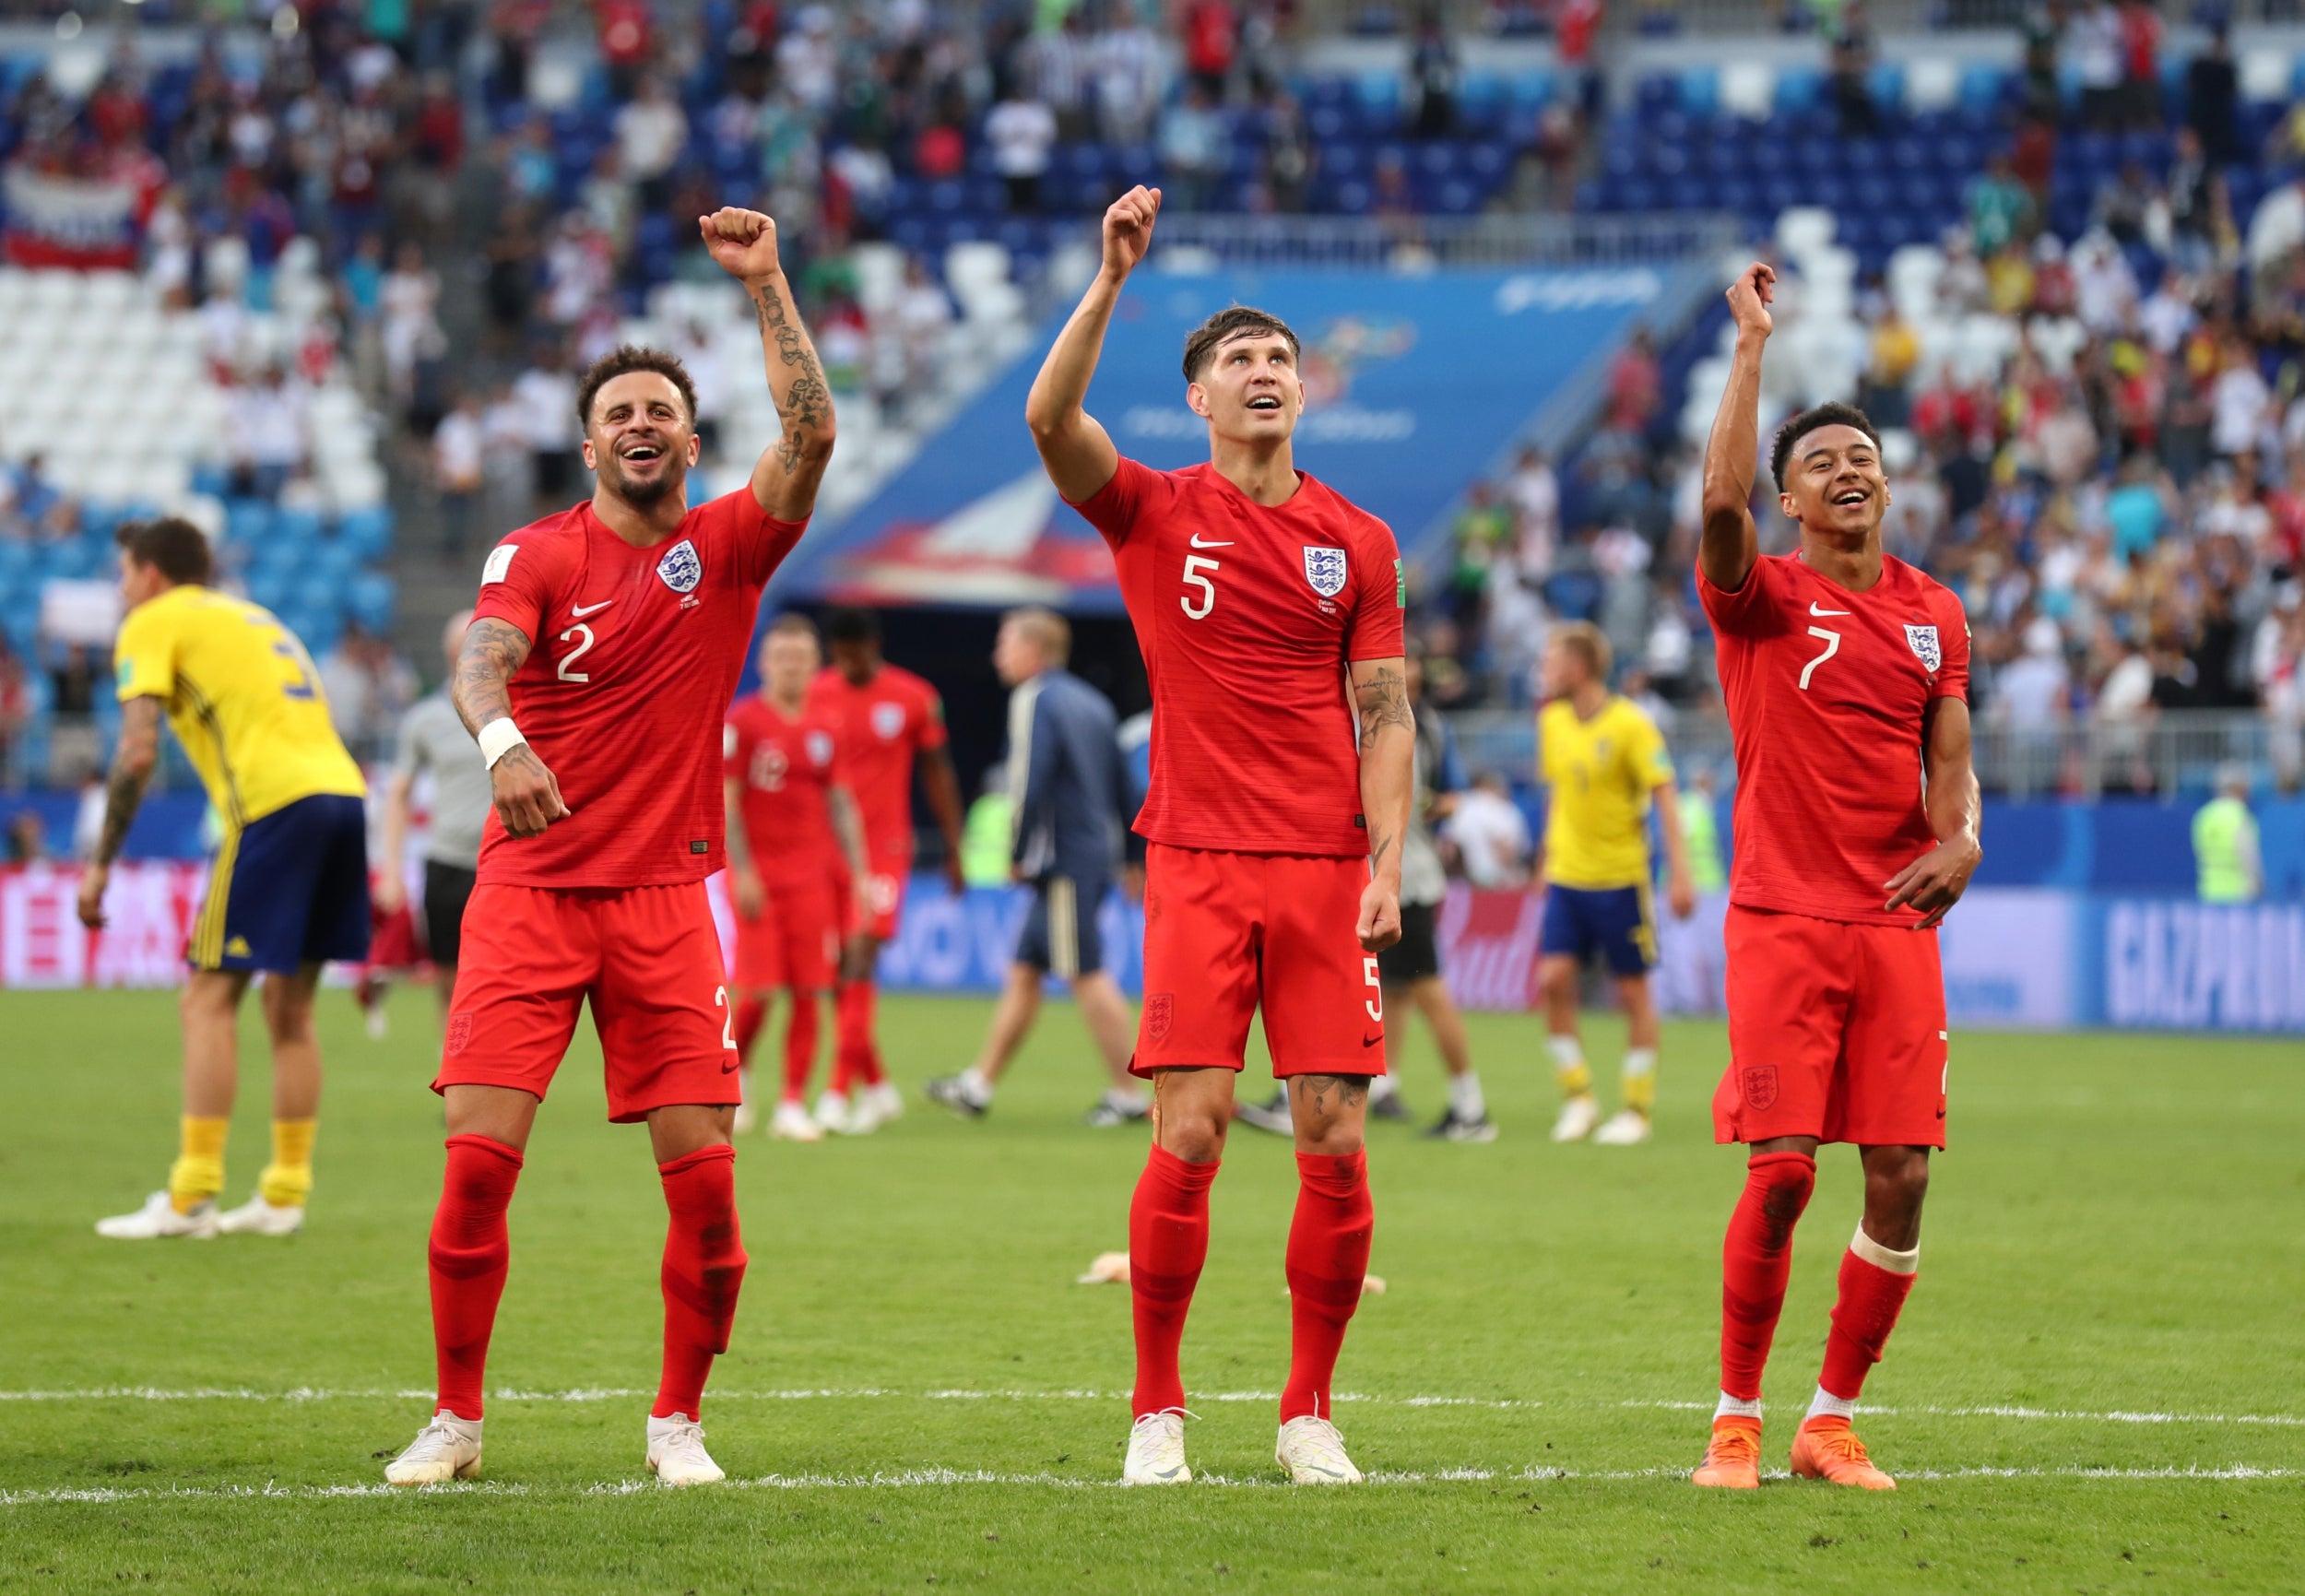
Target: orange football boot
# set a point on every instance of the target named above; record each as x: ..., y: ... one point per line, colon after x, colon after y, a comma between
x: 1734, y: 1460
x: 1826, y: 1449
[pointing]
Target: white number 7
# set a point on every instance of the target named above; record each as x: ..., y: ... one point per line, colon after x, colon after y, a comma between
x: 1832, y: 646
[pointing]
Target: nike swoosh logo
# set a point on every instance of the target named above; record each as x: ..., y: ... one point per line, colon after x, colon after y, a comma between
x: 1198, y: 542
x: 1332, y: 1473
x: 1815, y: 610
x: 1372, y: 1041
x: 1167, y: 1473
x: 581, y: 610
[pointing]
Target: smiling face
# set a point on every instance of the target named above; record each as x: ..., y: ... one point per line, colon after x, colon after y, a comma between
x: 1835, y: 484
x: 640, y: 438
x: 1248, y: 389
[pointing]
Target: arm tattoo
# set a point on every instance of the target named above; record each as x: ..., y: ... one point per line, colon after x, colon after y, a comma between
x: 132, y: 770
x: 1379, y: 844
x: 1383, y: 700
x: 494, y: 653
x: 806, y: 401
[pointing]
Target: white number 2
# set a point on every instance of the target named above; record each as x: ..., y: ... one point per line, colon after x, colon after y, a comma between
x: 1832, y: 646
x: 729, y: 1020
x: 1194, y: 565
x: 585, y: 648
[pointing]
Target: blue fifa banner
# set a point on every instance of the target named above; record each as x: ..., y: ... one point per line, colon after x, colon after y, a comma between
x: 1413, y: 387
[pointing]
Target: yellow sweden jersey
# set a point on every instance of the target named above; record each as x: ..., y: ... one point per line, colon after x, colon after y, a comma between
x: 243, y: 696
x: 1601, y: 773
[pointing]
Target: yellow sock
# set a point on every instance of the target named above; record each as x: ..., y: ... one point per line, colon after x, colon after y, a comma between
x: 199, y: 1173
x: 1569, y: 1064
x: 286, y: 1182
x: 1640, y: 1080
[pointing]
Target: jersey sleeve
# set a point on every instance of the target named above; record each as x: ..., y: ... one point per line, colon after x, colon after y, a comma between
x: 1952, y: 678
x: 517, y: 584
x: 1115, y: 508
x: 1647, y: 757
x: 1381, y: 594
x: 761, y: 540
x: 1751, y: 611
x: 144, y: 657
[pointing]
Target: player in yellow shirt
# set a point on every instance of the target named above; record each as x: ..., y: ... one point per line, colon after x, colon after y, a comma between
x: 289, y: 889
x: 1604, y: 763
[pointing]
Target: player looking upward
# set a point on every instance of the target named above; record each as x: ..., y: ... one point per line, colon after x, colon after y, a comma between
x: 891, y: 723
x: 793, y: 840
x: 607, y: 644
x: 290, y: 887
x: 1603, y: 764
x: 1269, y: 613
x: 1847, y: 673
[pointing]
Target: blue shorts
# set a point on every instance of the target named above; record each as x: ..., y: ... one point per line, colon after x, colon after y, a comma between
x: 1060, y: 934
x: 1620, y: 921
x: 288, y: 890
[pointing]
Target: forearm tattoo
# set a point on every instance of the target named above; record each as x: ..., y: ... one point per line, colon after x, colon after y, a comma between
x: 806, y: 402
x: 123, y: 791
x: 494, y: 653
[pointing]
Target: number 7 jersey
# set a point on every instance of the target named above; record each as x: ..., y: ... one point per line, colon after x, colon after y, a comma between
x: 635, y: 658
x: 1827, y: 693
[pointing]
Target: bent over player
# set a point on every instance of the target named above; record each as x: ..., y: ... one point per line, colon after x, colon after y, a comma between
x: 607, y: 644
x: 1847, y: 677
x: 1272, y: 866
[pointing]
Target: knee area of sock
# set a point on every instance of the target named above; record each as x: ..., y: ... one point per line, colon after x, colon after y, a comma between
x: 1338, y: 1175
x: 1782, y: 1181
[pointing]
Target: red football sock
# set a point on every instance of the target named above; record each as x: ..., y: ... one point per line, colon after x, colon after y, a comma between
x: 1755, y: 1262
x: 800, y: 1046
x: 858, y: 1058
x: 1863, y: 1314
x: 751, y: 1014
x: 703, y: 1269
x: 469, y: 1253
x: 1168, y: 1241
x: 1327, y: 1260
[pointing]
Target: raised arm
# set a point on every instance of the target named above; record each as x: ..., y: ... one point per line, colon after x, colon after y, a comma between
x: 1935, y: 883
x: 137, y: 755
x: 527, y: 797
x: 1381, y: 693
x: 1729, y: 544
x: 784, y: 480
x: 1074, y: 447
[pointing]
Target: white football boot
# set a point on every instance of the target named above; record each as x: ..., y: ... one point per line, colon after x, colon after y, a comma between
x: 1578, y: 1116
x: 158, y: 1217
x: 1156, y: 1451
x: 791, y: 1123
x: 1313, y: 1453
x: 448, y: 1448
x: 676, y: 1454
x: 884, y: 1103
x: 831, y: 1113
x: 1627, y: 1127
x: 863, y: 1118
x: 257, y: 1217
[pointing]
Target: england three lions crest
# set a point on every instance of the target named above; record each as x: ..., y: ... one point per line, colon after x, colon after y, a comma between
x: 1324, y: 568
x: 680, y: 569
x: 1922, y: 641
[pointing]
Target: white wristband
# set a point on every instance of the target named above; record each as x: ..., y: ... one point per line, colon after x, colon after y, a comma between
x: 499, y: 738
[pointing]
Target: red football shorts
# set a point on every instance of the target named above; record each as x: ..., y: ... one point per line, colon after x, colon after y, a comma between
x: 1225, y: 933
x: 890, y: 875
x: 648, y: 958
x: 1835, y: 1031
x: 794, y: 943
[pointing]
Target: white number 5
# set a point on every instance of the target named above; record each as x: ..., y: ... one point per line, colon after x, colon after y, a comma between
x: 1832, y: 646
x: 1194, y: 565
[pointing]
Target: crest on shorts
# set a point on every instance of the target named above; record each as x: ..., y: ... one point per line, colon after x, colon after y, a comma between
x: 1759, y: 1086
x: 680, y: 569
x: 1324, y: 568
x: 888, y: 719
x: 1160, y: 1013
x: 460, y: 1032
x: 1922, y: 641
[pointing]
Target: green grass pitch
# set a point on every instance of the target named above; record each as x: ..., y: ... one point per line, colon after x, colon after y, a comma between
x: 2096, y: 1385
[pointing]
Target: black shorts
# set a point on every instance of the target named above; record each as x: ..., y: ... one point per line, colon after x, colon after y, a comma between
x: 446, y: 889
x: 1060, y: 932
x: 1416, y: 955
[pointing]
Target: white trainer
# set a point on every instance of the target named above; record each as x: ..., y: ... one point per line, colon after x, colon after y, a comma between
x: 884, y: 1103
x: 676, y: 1454
x: 831, y: 1113
x: 1156, y: 1451
x: 1627, y: 1127
x: 791, y: 1123
x: 864, y: 1118
x: 1313, y: 1453
x: 448, y: 1448
x: 257, y: 1217
x: 158, y: 1217
x: 1578, y: 1116
x: 747, y: 1118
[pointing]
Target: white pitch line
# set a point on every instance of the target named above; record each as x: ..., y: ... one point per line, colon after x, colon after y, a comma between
x: 916, y: 1479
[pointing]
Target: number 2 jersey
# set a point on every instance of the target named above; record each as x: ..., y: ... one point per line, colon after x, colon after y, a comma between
x: 1249, y: 615
x: 635, y: 657
x: 1827, y: 691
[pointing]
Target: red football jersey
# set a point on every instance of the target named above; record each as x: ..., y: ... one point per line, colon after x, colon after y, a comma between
x: 1255, y: 747
x: 788, y: 766
x: 884, y: 726
x: 1826, y: 689
x: 636, y: 655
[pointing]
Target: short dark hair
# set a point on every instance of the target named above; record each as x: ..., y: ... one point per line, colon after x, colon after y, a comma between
x: 1803, y: 423
x: 170, y: 545
x: 792, y: 620
x: 627, y: 358
x: 1230, y: 323
x: 850, y: 624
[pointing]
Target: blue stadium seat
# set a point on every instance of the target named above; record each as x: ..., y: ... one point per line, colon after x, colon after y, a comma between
x: 1885, y: 84
x: 1701, y: 90
x: 1482, y: 99
x: 1533, y: 90
x: 372, y: 598
x: 270, y: 588
x: 1656, y: 93
x: 1799, y: 88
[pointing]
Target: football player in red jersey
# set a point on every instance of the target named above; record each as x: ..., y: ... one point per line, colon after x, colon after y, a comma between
x: 892, y: 725
x: 1846, y: 672
x: 793, y: 839
x: 615, y: 631
x: 1269, y: 611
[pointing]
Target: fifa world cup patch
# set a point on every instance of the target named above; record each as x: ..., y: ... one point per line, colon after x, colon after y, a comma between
x: 1160, y: 1013
x: 680, y: 569
x: 1324, y: 568
x: 499, y: 563
x: 1758, y: 1087
x: 1922, y: 641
